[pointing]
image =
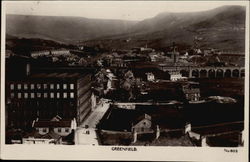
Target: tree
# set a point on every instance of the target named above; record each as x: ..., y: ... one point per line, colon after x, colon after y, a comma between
x: 127, y: 84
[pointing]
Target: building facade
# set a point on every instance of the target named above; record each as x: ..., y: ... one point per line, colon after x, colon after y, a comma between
x: 191, y: 91
x: 59, y: 52
x: 142, y: 124
x: 45, y: 95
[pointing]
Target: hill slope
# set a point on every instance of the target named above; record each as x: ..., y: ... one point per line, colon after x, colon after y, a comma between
x: 223, y: 28
x: 63, y: 28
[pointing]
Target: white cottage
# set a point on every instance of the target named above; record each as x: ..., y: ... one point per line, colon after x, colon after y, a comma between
x: 142, y: 124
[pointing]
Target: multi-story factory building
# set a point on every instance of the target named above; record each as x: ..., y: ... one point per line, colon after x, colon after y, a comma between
x: 45, y: 95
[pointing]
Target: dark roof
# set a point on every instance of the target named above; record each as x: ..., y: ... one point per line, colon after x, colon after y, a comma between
x: 52, y: 76
x: 166, y: 116
x: 196, y: 90
x: 34, y: 134
x: 56, y: 75
x: 120, y: 119
x: 140, y: 118
x: 50, y: 135
x: 174, y: 140
x: 63, y: 69
x: 219, y: 129
x: 42, y: 124
x: 141, y: 73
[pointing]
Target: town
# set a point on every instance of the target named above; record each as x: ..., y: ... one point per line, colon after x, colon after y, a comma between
x: 88, y: 95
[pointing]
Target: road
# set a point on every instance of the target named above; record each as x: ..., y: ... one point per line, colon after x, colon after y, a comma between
x: 96, y: 115
x: 86, y: 132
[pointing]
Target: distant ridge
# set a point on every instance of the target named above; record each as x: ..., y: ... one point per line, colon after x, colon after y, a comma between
x: 62, y: 28
x: 222, y: 27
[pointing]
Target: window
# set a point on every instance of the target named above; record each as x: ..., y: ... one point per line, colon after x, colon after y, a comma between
x: 67, y: 130
x: 64, y: 95
x: 12, y: 95
x: 32, y: 86
x: 25, y: 86
x: 19, y: 95
x: 45, y: 86
x: 72, y: 95
x: 59, y: 130
x: 57, y: 95
x: 32, y: 95
x: 12, y: 86
x: 45, y: 95
x: 52, y: 95
x: 71, y: 86
x: 57, y: 86
x: 64, y: 86
x: 38, y: 86
x: 38, y: 95
x: 25, y: 95
x: 19, y: 86
x: 51, y: 86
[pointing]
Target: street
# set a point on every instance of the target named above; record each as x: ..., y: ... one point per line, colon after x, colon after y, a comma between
x: 86, y: 132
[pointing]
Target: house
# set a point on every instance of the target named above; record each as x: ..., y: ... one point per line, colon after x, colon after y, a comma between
x: 157, y: 57
x: 118, y: 62
x: 217, y: 134
x: 150, y: 77
x: 50, y: 131
x: 60, y: 127
x: 36, y: 138
x: 142, y: 124
x: 176, y: 75
x: 191, y: 91
x: 111, y: 80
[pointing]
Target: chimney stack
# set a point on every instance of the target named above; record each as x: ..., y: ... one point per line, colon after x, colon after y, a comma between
x: 187, y: 128
x: 204, y: 141
x: 27, y: 69
x: 157, y: 132
x: 241, y: 138
x: 134, y: 136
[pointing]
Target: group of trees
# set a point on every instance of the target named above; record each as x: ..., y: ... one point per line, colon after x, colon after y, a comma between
x: 130, y: 86
x: 127, y: 89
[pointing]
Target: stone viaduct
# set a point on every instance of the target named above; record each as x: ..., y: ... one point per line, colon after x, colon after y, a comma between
x: 208, y: 71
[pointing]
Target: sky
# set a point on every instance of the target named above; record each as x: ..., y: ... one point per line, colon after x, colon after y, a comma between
x: 125, y: 10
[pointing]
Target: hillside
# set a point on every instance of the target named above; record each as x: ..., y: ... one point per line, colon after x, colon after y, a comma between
x: 222, y: 28
x: 23, y: 46
x: 66, y: 29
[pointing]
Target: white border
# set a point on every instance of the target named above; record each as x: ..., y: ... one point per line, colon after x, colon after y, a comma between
x: 77, y: 152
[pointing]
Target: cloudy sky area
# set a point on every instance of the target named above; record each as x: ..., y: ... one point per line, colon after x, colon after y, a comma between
x: 126, y: 10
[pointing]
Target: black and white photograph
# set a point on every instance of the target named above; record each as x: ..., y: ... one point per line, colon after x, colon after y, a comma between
x: 125, y: 77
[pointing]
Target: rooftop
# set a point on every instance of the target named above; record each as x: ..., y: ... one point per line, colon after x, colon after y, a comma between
x: 49, y: 135
x: 220, y: 129
x: 41, y: 76
x: 52, y: 124
x: 56, y: 75
x: 164, y: 140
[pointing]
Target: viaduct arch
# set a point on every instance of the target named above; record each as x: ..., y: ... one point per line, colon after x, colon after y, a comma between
x: 217, y: 72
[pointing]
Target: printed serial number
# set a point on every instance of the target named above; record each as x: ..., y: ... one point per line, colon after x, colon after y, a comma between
x: 231, y: 150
